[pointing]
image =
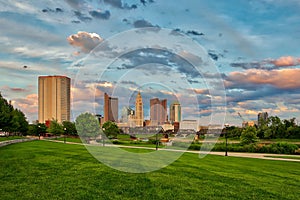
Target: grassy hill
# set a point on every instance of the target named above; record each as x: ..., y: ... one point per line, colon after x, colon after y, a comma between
x: 47, y: 170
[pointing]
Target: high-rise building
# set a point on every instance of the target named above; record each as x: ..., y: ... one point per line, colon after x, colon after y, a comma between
x: 110, y: 108
x: 175, y: 112
x: 262, y: 117
x: 158, y: 111
x: 54, y: 98
x: 139, y: 111
x: 126, y: 112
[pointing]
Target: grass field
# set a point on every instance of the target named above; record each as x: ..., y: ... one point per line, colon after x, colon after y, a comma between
x: 48, y: 170
x: 11, y: 138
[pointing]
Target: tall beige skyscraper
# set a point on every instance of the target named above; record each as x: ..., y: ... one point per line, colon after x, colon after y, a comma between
x: 54, y: 98
x: 139, y: 111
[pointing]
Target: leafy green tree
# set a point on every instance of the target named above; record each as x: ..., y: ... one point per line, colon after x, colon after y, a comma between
x: 12, y: 120
x: 32, y: 129
x: 41, y: 129
x: 87, y: 126
x: 233, y: 132
x: 110, y: 129
x: 69, y: 128
x: 5, y: 114
x: 18, y: 123
x: 249, y: 135
x: 55, y: 128
x: 276, y: 128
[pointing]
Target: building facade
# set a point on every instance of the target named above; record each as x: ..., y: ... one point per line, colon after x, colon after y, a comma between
x: 110, y: 108
x: 158, y: 111
x: 175, y: 112
x: 54, y: 98
x: 139, y: 111
x: 262, y: 117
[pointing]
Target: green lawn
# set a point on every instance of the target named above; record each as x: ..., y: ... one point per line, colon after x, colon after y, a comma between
x: 11, y: 138
x: 47, y: 170
x: 68, y: 139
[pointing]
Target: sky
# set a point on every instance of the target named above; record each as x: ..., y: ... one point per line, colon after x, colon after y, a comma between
x: 218, y: 58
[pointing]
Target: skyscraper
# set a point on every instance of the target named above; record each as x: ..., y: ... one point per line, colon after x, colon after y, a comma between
x: 54, y: 98
x: 262, y: 117
x: 175, y: 112
x: 139, y: 111
x: 110, y: 108
x: 158, y: 111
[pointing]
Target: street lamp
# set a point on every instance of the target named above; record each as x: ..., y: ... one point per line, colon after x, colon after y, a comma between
x: 226, y: 153
x: 156, y: 148
x: 39, y: 131
x: 65, y: 129
x: 102, y: 136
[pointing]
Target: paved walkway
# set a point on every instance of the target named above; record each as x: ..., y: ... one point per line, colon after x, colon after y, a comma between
x: 7, y: 142
x: 265, y: 156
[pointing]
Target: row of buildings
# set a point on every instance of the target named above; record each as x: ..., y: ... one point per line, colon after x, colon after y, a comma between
x: 54, y: 103
x: 135, y: 117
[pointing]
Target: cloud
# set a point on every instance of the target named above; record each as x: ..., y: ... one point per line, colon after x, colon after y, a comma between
x: 56, y: 10
x: 282, y: 79
x: 286, y: 61
x: 114, y: 3
x: 82, y: 17
x: 28, y: 105
x: 85, y: 41
x: 142, y: 23
x: 100, y: 14
x: 196, y: 33
x: 118, y: 4
x: 76, y: 4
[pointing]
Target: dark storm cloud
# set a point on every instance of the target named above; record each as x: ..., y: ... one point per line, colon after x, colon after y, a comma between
x: 213, y: 56
x: 250, y: 65
x: 100, y: 15
x: 119, y: 4
x: 162, y: 57
x: 193, y: 32
x: 82, y: 17
x: 56, y: 10
x: 142, y: 24
x: 75, y: 22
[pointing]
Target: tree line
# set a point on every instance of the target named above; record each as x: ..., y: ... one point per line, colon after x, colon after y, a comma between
x: 12, y: 120
x: 272, y: 128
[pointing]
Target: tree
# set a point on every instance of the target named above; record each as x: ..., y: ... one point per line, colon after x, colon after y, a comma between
x: 249, y: 135
x: 276, y: 128
x: 55, y: 128
x: 12, y: 120
x: 69, y: 128
x: 110, y: 129
x: 87, y: 126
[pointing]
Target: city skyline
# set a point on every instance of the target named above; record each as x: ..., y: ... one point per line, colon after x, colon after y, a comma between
x: 253, y: 46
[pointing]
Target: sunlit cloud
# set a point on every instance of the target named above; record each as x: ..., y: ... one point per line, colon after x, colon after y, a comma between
x: 283, y: 79
x: 85, y: 41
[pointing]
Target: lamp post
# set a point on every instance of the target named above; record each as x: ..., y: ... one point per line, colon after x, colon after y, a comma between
x: 65, y: 129
x: 39, y: 131
x: 226, y: 153
x: 156, y: 147
x: 102, y: 136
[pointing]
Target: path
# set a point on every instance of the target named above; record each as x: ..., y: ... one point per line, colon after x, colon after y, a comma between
x: 232, y: 154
